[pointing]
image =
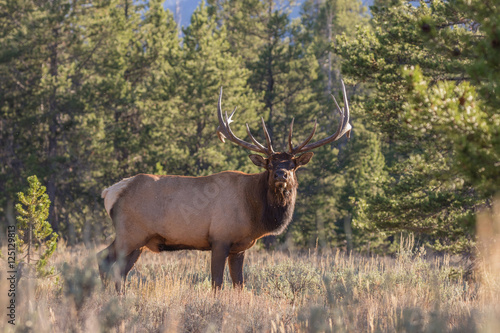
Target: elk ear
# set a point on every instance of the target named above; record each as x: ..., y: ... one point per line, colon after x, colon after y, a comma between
x: 258, y: 160
x: 303, y: 159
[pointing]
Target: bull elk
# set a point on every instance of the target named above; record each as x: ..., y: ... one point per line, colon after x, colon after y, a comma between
x: 225, y: 213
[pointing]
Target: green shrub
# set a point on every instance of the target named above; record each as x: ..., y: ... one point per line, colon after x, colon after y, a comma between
x: 79, y: 283
x: 291, y: 280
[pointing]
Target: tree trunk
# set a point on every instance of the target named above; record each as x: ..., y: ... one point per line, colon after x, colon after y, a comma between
x: 329, y: 32
x: 30, y: 239
x: 53, y: 134
x: 9, y: 212
x: 269, y: 94
x: 270, y: 79
x: 348, y: 231
x: 270, y: 240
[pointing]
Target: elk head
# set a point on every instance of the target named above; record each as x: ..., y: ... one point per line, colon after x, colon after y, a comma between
x: 281, y: 166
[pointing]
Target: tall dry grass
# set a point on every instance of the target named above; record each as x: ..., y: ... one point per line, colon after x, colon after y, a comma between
x: 285, y: 292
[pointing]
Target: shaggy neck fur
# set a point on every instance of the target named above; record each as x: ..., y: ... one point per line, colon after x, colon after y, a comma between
x: 278, y: 206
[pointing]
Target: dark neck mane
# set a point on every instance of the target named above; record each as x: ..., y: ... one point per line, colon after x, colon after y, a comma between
x: 278, y: 207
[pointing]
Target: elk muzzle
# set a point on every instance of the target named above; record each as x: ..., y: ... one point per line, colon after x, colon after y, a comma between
x: 281, y: 177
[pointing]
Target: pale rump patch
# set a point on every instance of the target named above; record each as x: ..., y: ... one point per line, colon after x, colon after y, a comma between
x: 112, y: 193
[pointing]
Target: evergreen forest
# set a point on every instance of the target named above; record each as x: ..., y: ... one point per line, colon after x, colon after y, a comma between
x: 94, y: 91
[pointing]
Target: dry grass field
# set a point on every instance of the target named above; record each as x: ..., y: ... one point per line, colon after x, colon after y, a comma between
x: 327, y: 291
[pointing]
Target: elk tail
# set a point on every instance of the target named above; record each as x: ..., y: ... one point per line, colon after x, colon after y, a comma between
x: 112, y: 193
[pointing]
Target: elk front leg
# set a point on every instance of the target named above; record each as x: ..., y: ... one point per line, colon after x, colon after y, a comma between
x: 219, y: 256
x: 236, y: 268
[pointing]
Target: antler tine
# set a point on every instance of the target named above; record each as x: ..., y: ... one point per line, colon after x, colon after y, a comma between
x: 342, y: 116
x: 257, y: 143
x: 339, y: 109
x: 221, y: 136
x: 346, y: 106
x: 224, y: 130
x: 243, y: 143
x: 268, y: 138
x: 290, y: 146
x: 231, y: 116
x: 298, y: 148
x: 344, y: 127
x: 221, y: 129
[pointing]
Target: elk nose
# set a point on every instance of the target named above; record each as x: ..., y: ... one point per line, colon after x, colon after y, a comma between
x: 280, y: 175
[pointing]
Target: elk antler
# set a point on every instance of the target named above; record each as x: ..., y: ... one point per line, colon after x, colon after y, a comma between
x: 224, y: 131
x: 344, y: 128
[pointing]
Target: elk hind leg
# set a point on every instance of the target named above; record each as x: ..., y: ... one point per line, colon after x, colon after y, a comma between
x: 127, y: 266
x: 236, y: 268
x: 129, y: 243
x: 105, y: 259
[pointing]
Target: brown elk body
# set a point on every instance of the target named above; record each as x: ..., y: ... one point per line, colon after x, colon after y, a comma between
x: 225, y: 212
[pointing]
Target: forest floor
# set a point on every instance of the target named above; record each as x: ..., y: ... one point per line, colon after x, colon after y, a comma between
x: 317, y: 291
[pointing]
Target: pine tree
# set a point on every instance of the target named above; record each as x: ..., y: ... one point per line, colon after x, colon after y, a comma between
x: 206, y: 65
x: 425, y: 193
x: 245, y: 25
x: 463, y: 113
x: 323, y: 21
x: 34, y: 230
x: 142, y: 88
